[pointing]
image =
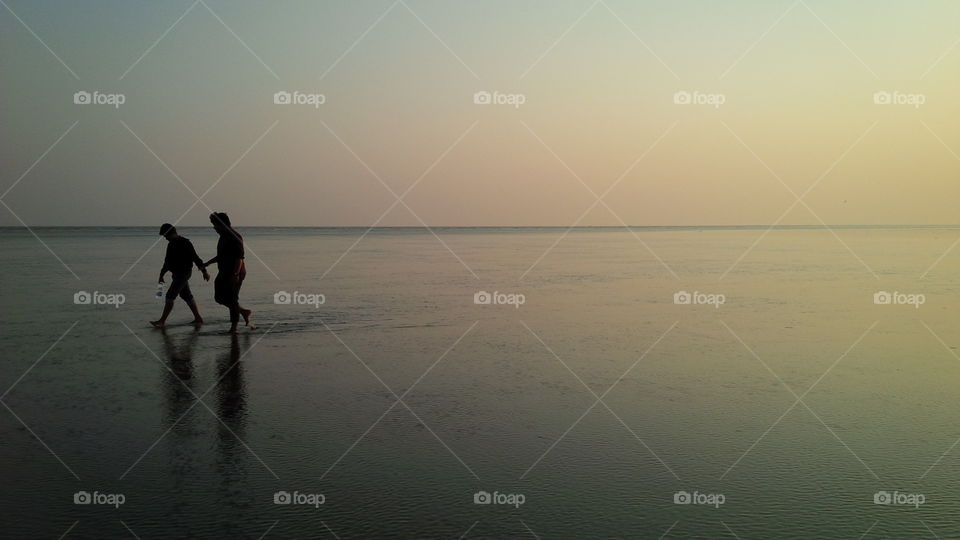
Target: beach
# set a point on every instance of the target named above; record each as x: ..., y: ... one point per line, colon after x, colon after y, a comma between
x: 579, y: 392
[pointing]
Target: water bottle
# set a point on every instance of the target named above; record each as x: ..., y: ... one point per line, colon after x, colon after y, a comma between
x: 159, y: 291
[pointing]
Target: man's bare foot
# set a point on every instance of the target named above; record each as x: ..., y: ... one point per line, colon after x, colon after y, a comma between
x: 157, y: 324
x: 233, y: 329
x: 246, y: 313
x: 197, y: 322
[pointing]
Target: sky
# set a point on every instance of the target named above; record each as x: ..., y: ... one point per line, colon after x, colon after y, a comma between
x: 612, y: 112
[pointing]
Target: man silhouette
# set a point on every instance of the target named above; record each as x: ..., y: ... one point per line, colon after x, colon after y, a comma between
x: 231, y: 270
x: 179, y: 260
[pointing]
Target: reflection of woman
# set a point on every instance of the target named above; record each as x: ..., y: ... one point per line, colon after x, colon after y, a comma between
x: 189, y: 454
x: 231, y: 395
x: 231, y: 459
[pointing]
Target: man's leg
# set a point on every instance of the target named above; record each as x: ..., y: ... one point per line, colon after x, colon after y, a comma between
x: 197, y: 319
x: 178, y: 283
x: 187, y: 296
x: 167, y: 308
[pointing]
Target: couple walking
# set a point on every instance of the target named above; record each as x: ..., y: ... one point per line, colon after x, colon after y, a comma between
x: 180, y: 259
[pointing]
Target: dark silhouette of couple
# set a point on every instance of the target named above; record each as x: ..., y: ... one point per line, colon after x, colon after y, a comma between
x: 231, y: 271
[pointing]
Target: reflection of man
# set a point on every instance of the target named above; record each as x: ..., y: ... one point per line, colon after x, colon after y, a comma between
x: 230, y: 270
x: 180, y: 356
x: 177, y: 382
x: 179, y: 260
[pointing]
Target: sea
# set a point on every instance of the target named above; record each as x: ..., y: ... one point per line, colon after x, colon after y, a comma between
x: 646, y: 382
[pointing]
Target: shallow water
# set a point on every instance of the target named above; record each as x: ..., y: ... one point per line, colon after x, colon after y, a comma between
x: 494, y: 397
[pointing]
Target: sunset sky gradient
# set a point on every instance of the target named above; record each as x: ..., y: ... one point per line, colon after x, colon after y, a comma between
x: 399, y: 77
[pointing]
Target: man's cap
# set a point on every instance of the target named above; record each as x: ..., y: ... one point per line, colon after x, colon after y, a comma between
x: 166, y: 228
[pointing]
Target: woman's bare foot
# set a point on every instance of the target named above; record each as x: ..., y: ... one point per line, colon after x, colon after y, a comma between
x: 157, y: 324
x: 197, y: 322
x: 233, y: 329
x: 246, y: 313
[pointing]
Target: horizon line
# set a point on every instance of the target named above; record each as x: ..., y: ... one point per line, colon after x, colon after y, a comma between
x: 447, y: 227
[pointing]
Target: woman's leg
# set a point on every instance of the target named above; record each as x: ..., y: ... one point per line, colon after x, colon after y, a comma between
x: 244, y: 312
x: 234, y: 316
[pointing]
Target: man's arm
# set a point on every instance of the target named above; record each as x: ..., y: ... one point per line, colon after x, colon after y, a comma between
x: 166, y: 261
x: 211, y: 261
x: 194, y: 257
x: 198, y: 261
